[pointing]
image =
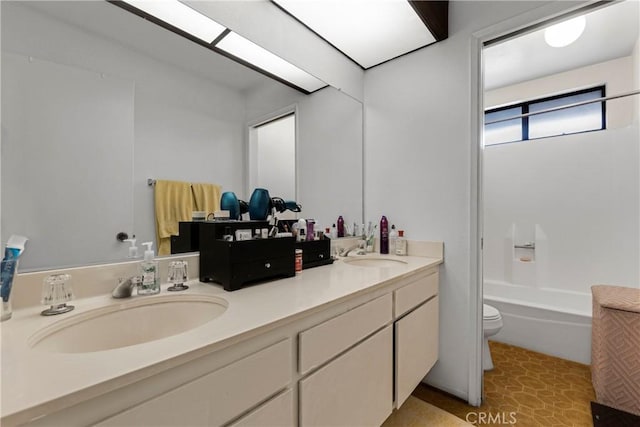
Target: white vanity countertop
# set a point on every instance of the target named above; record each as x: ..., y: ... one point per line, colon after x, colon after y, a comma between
x: 36, y: 382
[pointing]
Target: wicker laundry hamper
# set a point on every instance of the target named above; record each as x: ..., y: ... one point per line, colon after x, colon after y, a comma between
x: 615, y: 347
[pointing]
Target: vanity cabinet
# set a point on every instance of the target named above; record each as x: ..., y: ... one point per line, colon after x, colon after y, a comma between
x: 354, y: 389
x: 349, y: 363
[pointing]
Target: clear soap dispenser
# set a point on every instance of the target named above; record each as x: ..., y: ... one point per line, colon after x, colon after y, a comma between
x: 149, y: 271
x: 133, y: 249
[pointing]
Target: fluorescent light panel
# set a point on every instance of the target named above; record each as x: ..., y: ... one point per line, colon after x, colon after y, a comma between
x: 250, y: 52
x: 368, y: 31
x: 181, y: 16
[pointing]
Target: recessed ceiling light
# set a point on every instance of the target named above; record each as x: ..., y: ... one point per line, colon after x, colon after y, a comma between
x: 181, y: 16
x: 367, y: 31
x: 250, y: 52
x: 565, y: 33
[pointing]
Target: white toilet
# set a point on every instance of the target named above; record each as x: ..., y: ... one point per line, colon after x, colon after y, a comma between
x: 491, y: 324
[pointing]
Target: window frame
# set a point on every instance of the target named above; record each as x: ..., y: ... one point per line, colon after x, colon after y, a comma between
x: 524, y: 121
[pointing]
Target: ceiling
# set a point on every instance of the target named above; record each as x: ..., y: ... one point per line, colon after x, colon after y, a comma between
x: 611, y: 32
x: 404, y: 33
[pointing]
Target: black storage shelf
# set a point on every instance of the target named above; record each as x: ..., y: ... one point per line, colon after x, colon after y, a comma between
x: 237, y: 263
x: 315, y: 253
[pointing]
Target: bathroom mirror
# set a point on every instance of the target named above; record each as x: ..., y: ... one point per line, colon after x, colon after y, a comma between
x: 95, y: 101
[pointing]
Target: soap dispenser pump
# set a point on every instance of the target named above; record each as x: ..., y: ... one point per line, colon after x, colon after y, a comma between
x: 149, y: 271
x: 133, y: 249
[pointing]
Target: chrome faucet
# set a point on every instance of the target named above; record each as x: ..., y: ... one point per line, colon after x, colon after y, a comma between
x: 125, y: 287
x: 360, y: 246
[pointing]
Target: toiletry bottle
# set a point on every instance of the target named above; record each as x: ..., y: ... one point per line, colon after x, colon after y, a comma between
x: 311, y: 229
x: 302, y: 230
x: 149, y: 271
x: 133, y: 249
x: 384, y: 235
x: 334, y: 232
x: 401, y: 243
x: 393, y: 236
x: 340, y: 226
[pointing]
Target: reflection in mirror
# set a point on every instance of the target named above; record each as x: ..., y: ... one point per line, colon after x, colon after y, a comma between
x: 111, y: 100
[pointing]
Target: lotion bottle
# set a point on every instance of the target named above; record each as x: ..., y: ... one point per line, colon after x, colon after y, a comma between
x: 150, y: 283
x: 334, y: 232
x: 401, y: 244
x: 384, y: 235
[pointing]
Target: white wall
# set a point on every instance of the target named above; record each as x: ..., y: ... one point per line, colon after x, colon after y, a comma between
x: 418, y: 163
x: 583, y: 191
x: 186, y: 127
x: 616, y: 74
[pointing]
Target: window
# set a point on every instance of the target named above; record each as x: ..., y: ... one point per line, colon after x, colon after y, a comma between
x: 581, y: 118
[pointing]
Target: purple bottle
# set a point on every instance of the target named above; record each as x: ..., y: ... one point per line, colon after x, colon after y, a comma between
x: 340, y: 226
x: 384, y: 235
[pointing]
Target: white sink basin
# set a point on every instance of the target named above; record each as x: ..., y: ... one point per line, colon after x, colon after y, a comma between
x: 135, y: 321
x: 374, y: 261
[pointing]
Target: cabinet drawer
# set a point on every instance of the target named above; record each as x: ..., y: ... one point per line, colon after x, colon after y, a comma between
x: 217, y: 397
x: 415, y: 293
x: 276, y: 412
x: 328, y: 339
x: 355, y: 389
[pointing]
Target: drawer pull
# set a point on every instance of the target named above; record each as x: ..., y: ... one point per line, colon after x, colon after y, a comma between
x: 267, y: 265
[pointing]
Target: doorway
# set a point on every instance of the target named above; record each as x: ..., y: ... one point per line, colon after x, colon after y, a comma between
x: 557, y: 150
x: 272, y: 157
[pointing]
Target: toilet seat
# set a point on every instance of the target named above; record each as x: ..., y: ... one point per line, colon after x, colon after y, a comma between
x: 490, y: 313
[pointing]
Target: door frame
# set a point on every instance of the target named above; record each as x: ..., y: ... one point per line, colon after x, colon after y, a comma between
x: 250, y: 130
x: 519, y: 24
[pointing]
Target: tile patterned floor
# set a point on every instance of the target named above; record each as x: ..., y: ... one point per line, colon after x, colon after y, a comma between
x: 540, y: 390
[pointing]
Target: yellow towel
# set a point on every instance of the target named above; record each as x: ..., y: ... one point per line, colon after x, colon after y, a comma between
x: 173, y: 202
x: 206, y: 197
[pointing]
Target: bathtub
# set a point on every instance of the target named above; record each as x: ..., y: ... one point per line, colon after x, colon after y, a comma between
x: 546, y: 320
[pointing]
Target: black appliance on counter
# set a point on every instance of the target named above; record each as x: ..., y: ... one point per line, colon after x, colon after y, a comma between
x: 240, y: 262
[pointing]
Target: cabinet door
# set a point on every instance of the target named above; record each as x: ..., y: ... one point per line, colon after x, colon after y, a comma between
x: 355, y: 389
x: 416, y: 348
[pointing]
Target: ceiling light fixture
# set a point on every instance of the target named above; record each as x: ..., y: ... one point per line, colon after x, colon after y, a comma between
x: 565, y: 33
x: 367, y: 31
x: 181, y: 16
x: 254, y: 55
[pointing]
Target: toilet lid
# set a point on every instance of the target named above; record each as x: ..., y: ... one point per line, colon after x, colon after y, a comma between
x: 489, y: 312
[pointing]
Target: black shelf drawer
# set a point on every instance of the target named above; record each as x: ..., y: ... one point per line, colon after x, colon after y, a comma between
x: 315, y: 253
x: 235, y: 264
